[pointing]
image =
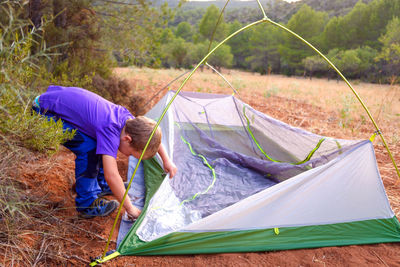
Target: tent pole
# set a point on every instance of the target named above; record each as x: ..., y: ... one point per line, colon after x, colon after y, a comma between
x: 265, y: 19
x: 342, y: 76
x: 216, y: 25
x: 159, y: 121
x: 347, y: 82
x: 222, y: 76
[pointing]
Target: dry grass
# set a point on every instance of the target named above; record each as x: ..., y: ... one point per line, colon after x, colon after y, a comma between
x: 383, y: 101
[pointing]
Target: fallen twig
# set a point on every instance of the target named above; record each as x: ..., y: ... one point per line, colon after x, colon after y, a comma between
x: 380, y: 258
x: 64, y: 257
x: 77, y: 227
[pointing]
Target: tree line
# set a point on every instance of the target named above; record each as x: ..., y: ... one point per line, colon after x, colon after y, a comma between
x: 91, y: 37
x: 363, y: 44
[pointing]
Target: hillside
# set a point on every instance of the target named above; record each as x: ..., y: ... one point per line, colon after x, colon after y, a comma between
x: 275, y: 9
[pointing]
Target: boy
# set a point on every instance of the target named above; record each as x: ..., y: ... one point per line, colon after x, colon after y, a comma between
x: 102, y: 129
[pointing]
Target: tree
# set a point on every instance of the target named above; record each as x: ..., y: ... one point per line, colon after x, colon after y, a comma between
x: 166, y: 36
x: 392, y: 33
x: 59, y: 13
x: 355, y: 26
x: 222, y: 57
x: 208, y: 24
x: 315, y: 65
x: 332, y: 36
x: 380, y: 13
x: 264, y: 43
x: 353, y: 63
x: 389, y: 57
x: 361, y: 26
x: 309, y: 24
x: 35, y: 12
x: 184, y: 30
x: 367, y: 66
x: 192, y: 16
x: 175, y: 53
x: 136, y: 29
x: 240, y: 45
x: 349, y: 63
x: 197, y: 53
x: 73, y: 27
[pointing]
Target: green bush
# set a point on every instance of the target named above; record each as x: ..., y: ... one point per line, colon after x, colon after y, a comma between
x: 23, y: 57
x: 20, y: 126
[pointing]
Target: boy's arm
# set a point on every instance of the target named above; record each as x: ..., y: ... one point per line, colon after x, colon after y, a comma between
x: 169, y: 166
x: 116, y: 184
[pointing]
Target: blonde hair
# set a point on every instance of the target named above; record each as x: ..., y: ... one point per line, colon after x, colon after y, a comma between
x: 140, y: 129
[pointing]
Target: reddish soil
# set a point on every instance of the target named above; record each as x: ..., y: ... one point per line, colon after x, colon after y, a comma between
x: 78, y: 240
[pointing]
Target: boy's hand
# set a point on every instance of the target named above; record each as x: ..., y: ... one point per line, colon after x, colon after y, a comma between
x: 129, y: 217
x: 133, y: 213
x: 169, y: 167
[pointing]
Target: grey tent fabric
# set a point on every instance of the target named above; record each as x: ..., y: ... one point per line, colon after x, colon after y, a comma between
x: 219, y: 145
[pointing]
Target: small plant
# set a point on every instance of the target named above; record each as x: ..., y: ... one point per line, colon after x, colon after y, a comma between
x: 274, y: 90
x: 345, y: 112
x: 395, y: 139
x: 238, y: 83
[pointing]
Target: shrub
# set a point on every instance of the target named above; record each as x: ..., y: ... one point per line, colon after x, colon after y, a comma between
x: 119, y: 92
x: 20, y: 64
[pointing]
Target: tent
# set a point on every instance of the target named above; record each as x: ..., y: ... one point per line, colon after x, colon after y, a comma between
x: 248, y: 182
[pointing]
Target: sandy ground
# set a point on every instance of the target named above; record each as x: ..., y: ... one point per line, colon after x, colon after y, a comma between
x: 83, y: 239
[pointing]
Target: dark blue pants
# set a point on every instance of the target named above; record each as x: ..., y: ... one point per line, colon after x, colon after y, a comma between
x: 89, y: 174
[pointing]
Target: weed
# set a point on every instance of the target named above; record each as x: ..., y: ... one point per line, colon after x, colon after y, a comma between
x: 222, y: 84
x: 274, y: 90
x: 151, y: 82
x: 238, y: 83
x: 363, y: 119
x: 395, y: 139
x: 296, y: 91
x: 345, y: 112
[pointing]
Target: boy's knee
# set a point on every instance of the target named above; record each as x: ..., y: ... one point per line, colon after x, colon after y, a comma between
x: 88, y: 165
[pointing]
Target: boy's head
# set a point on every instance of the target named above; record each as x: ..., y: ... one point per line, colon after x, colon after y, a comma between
x: 135, y: 135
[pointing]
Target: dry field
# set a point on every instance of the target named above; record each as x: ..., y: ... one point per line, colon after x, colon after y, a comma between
x: 321, y: 106
x: 297, y: 95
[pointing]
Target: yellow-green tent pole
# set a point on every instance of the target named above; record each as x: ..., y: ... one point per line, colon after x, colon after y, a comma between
x: 158, y: 123
x: 342, y: 76
x: 351, y: 87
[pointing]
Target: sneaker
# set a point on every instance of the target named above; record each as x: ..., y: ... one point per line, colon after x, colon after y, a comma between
x: 108, y: 192
x: 100, y: 207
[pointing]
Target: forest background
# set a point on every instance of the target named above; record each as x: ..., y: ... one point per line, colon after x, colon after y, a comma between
x: 79, y: 42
